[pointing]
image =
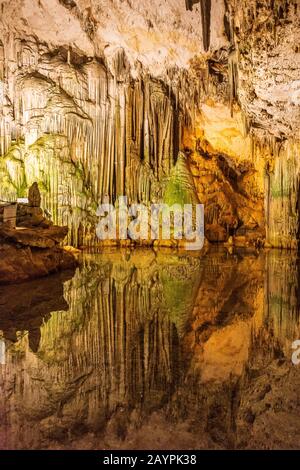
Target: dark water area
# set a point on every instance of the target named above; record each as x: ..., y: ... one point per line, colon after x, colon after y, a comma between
x: 153, y: 350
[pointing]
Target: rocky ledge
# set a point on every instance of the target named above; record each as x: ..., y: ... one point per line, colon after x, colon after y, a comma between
x: 32, y: 253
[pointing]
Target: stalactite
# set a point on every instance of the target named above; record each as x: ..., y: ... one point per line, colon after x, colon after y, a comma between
x: 118, y: 340
x: 206, y: 22
x: 121, y: 133
x: 205, y: 19
x: 282, y: 197
x: 233, y: 79
x: 137, y: 333
x: 2, y: 58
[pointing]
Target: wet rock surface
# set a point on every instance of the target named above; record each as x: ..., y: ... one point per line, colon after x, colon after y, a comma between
x: 30, y: 216
x: 34, y: 237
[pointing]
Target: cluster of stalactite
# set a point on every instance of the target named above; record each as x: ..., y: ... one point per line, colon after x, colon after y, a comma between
x: 258, y: 32
x: 84, y: 130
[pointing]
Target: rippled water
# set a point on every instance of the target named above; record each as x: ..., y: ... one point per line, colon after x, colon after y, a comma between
x: 154, y: 350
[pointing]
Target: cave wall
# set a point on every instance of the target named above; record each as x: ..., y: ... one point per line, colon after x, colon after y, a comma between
x: 251, y: 118
x: 93, y: 110
x: 83, y: 132
x: 265, y: 59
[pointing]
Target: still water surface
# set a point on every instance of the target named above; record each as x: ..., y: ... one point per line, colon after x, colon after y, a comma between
x: 153, y: 350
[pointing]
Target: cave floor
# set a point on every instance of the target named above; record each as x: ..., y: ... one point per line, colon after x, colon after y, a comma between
x: 151, y: 349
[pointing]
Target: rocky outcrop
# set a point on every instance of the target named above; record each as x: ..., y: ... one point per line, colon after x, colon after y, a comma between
x: 32, y: 253
x: 230, y: 192
x: 34, y: 196
x: 37, y: 238
x: 31, y: 216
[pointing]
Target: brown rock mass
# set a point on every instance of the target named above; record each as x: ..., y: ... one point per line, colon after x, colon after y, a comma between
x: 91, y: 109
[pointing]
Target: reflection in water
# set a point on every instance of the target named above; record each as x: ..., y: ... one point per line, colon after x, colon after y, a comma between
x: 153, y: 350
x: 2, y: 351
x: 24, y: 307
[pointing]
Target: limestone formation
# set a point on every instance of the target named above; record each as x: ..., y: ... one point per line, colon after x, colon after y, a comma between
x: 162, y: 101
x: 32, y: 253
x: 91, y: 109
x: 34, y: 196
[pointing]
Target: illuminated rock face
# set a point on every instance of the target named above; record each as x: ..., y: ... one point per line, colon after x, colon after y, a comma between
x: 87, y: 135
x: 97, y: 100
x: 153, y: 350
x: 266, y: 81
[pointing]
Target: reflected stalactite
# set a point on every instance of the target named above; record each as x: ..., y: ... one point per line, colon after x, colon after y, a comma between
x: 101, y: 132
x: 269, y: 387
x: 206, y: 22
x: 176, y: 340
x: 118, y: 343
x: 282, y: 302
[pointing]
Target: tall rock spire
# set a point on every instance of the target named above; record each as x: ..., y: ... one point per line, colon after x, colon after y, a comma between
x: 205, y: 19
